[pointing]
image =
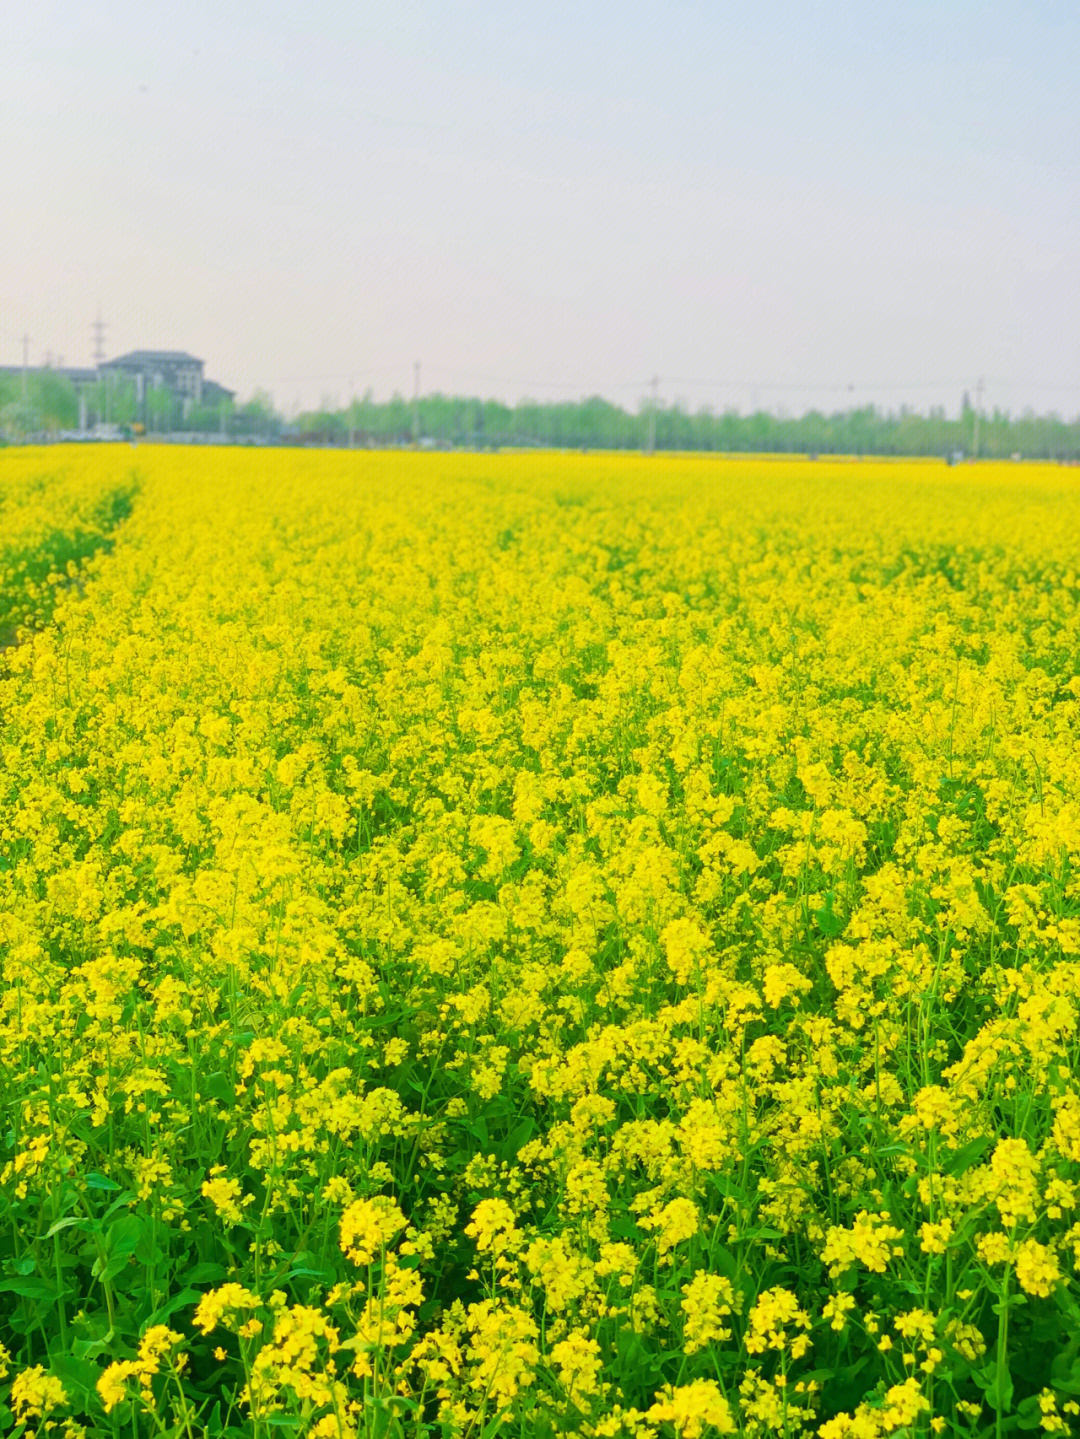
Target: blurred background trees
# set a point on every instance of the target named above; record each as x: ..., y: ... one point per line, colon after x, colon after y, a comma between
x: 52, y: 406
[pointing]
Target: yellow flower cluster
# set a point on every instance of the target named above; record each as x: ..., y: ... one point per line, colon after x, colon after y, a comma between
x: 154, y: 1347
x: 538, y: 944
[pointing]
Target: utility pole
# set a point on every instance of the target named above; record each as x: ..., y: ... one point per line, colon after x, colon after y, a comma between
x: 650, y: 445
x: 978, y: 407
x: 25, y: 363
x: 416, y: 404
x: 98, y: 332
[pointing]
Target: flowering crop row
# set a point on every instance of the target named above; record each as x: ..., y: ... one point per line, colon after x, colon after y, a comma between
x: 539, y: 945
x: 51, y: 520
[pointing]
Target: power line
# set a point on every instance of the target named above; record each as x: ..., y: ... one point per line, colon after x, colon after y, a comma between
x: 509, y: 382
x: 717, y: 385
x: 100, y: 327
x: 329, y: 376
x: 829, y: 386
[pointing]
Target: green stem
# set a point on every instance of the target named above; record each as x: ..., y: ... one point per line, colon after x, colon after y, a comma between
x: 61, y: 1308
x: 1002, y: 1351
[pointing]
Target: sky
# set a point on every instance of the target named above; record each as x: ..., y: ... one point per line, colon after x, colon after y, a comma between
x: 780, y: 205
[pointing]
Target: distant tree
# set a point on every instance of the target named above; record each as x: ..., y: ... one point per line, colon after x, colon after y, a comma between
x: 594, y: 423
x: 323, y: 426
x: 54, y: 398
x: 51, y: 404
x: 18, y: 421
x: 209, y: 419
x: 256, y: 416
x: 161, y: 409
x: 111, y: 400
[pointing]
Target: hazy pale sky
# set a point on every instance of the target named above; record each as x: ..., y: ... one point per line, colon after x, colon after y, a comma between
x: 775, y: 203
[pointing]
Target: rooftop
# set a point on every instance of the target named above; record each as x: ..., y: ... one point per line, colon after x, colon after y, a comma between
x: 155, y: 357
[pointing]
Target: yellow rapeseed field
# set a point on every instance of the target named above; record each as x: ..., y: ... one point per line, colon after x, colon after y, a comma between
x: 537, y: 945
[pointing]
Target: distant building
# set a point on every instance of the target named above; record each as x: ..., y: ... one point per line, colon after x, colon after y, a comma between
x: 214, y: 394
x: 173, y: 370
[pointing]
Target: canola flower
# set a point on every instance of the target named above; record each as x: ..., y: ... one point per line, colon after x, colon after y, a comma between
x: 538, y: 945
x: 52, y: 519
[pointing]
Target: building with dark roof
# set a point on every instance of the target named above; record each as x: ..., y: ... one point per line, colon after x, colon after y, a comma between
x: 173, y: 370
x: 165, y: 384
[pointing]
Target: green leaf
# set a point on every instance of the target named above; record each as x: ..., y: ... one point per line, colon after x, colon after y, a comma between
x: 121, y: 1241
x: 828, y: 923
x: 205, y: 1274
x: 960, y: 1162
x: 478, y: 1129
x: 122, y: 1201
x: 169, y: 1308
x: 32, y: 1287
x: 92, y: 1348
x: 996, y: 1382
x: 147, y: 1252
x: 218, y: 1086
x: 1029, y: 1415
x: 125, y: 1235
x: 100, y: 1181
x: 518, y: 1136
x: 722, y: 1261
x: 78, y: 1375
x: 69, y: 1223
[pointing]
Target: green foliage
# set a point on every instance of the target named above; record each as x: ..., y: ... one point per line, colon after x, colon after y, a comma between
x: 51, y: 403
x: 596, y: 423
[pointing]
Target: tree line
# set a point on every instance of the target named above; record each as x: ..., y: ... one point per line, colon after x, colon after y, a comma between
x: 51, y: 405
x: 596, y: 423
